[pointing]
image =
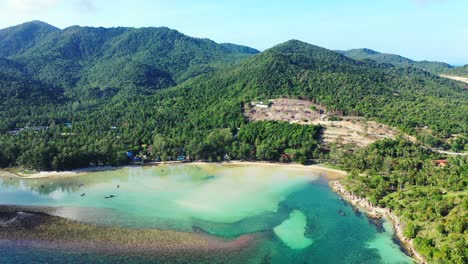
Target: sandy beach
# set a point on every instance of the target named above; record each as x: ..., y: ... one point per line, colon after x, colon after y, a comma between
x: 52, y: 174
x: 329, y: 173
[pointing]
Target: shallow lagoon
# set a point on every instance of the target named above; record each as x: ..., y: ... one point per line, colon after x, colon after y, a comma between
x: 293, y: 208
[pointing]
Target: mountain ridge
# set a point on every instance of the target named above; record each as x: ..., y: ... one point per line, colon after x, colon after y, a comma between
x: 89, y: 61
x: 434, y: 67
x: 69, y: 57
x: 17, y: 39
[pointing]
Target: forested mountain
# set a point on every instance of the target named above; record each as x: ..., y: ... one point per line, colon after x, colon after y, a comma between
x: 130, y: 87
x: 240, y: 48
x: 18, y: 88
x: 202, y: 115
x: 94, y: 96
x: 142, y: 60
x: 406, y: 98
x: 363, y: 54
x: 91, y: 65
x: 15, y: 40
x: 460, y: 71
x: 434, y: 67
x: 9, y: 67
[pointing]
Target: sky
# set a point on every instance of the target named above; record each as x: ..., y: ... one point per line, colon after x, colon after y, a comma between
x: 417, y: 29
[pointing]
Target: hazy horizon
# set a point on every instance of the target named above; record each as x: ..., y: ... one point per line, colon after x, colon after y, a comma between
x: 433, y: 30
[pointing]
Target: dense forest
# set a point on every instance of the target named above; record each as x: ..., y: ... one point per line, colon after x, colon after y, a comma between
x: 434, y: 67
x: 99, y: 93
x: 460, y: 71
x: 57, y: 148
x: 427, y: 191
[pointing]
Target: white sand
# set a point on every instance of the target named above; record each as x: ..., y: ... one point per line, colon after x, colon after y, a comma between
x: 329, y: 173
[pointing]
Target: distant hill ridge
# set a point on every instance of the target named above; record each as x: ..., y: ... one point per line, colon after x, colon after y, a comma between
x: 101, y: 68
x: 434, y: 67
x: 17, y: 39
x: 90, y: 57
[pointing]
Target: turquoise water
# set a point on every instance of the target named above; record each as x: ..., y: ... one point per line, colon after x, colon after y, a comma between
x: 294, y: 209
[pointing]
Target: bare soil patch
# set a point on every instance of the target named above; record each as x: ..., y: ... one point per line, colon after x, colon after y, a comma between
x: 348, y: 130
x: 456, y: 78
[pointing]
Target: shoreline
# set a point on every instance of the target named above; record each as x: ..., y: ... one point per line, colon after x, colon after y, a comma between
x: 334, y: 177
x: 377, y: 213
x: 329, y: 173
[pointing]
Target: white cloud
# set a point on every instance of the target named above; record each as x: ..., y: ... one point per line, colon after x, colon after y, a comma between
x: 82, y: 6
x: 32, y: 5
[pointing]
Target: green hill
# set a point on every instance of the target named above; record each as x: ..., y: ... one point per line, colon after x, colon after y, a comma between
x: 406, y: 98
x: 147, y: 67
x: 80, y: 56
x: 156, y: 93
x: 16, y: 40
x: 11, y: 68
x: 185, y: 115
x: 240, y: 49
x: 397, y: 60
x: 363, y: 54
x: 460, y: 71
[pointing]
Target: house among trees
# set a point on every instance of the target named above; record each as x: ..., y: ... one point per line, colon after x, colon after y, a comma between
x: 14, y: 132
x: 261, y: 104
x: 19, y: 130
x: 37, y: 128
x: 441, y: 163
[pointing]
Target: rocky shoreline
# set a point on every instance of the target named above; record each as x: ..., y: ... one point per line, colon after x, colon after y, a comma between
x: 378, y: 213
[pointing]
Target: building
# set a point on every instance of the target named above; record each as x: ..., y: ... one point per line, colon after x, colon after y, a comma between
x: 441, y: 163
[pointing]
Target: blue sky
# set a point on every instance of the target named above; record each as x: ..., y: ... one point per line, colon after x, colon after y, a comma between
x: 418, y: 29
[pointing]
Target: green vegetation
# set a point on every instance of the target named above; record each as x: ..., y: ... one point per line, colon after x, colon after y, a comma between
x: 240, y: 49
x: 272, y: 139
x: 84, y: 57
x: 57, y: 149
x: 427, y: 195
x: 335, y: 118
x: 460, y: 71
x: 18, y: 39
x: 434, y: 67
x: 95, y: 96
x: 119, y: 99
